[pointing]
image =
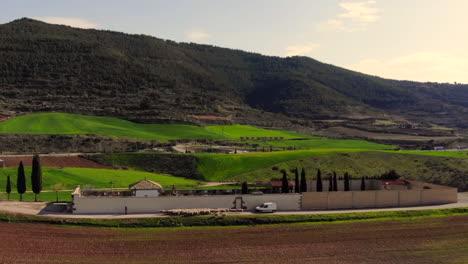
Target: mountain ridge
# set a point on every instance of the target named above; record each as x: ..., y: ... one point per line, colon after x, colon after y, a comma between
x: 46, y: 67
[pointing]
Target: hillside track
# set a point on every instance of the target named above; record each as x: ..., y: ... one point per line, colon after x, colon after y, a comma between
x: 430, y: 240
x: 53, y: 161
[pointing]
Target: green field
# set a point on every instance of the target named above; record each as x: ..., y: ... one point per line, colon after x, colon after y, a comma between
x: 97, y: 178
x: 238, y: 131
x: 61, y: 123
x: 324, y: 143
x: 216, y: 167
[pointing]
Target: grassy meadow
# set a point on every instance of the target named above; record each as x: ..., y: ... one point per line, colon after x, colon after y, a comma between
x: 324, y: 143
x: 218, y: 167
x: 97, y: 178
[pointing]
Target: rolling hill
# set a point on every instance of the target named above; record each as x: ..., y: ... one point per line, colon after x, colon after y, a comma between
x: 61, y: 123
x: 51, y: 68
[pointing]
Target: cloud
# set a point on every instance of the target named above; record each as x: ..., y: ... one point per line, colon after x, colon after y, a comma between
x: 422, y: 66
x: 301, y: 50
x: 197, y: 35
x: 360, y: 12
x: 356, y: 17
x: 68, y: 21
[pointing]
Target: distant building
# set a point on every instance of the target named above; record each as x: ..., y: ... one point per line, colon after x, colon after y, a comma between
x: 277, y: 185
x: 146, y: 188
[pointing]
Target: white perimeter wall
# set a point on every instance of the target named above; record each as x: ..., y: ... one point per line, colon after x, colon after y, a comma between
x: 135, y: 205
x: 377, y: 199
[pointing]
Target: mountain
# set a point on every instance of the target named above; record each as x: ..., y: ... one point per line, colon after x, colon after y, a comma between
x: 46, y: 68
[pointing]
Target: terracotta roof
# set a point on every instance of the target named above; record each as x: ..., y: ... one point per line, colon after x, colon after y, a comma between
x: 280, y: 183
x: 396, y: 182
x: 145, y: 185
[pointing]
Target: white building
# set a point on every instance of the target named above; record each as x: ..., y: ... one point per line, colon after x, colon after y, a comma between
x: 146, y: 188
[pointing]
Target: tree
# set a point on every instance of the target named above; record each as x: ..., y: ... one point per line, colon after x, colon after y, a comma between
x: 284, y: 182
x: 335, y: 182
x: 245, y: 188
x: 319, y: 181
x: 297, y: 186
x: 330, y: 183
x: 8, y: 187
x: 303, y: 181
x: 36, y: 176
x: 58, y: 187
x: 346, y: 182
x: 21, y: 181
x: 363, y: 184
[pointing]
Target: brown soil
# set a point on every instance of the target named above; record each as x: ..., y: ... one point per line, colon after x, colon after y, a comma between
x: 58, y: 161
x: 433, y: 240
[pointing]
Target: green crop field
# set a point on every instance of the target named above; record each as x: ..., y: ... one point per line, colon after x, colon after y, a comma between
x: 61, y: 123
x: 97, y: 178
x: 238, y: 131
x: 325, y: 143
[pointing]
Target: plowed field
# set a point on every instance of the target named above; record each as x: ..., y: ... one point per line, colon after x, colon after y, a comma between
x: 51, y: 161
x: 431, y: 240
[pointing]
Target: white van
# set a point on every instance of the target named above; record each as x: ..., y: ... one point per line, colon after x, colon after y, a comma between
x: 266, y: 208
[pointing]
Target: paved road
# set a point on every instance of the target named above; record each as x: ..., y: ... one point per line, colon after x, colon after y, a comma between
x: 31, y: 208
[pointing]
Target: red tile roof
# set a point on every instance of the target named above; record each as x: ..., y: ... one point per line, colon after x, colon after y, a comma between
x: 280, y: 183
x: 396, y: 182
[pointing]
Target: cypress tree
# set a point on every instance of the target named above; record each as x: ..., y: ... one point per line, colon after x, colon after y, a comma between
x: 335, y: 182
x: 36, y: 176
x: 245, y: 188
x: 8, y: 187
x: 363, y: 184
x: 330, y: 183
x: 21, y: 181
x: 319, y: 181
x: 297, y: 186
x: 303, y: 181
x: 285, y: 183
x: 346, y: 182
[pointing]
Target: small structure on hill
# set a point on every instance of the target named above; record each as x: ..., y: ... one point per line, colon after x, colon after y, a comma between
x: 146, y: 188
x: 397, y: 184
x: 276, y: 186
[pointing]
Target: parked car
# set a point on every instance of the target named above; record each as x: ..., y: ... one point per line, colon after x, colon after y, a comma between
x: 266, y: 208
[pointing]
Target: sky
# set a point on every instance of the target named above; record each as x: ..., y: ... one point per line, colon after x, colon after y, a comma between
x: 420, y: 40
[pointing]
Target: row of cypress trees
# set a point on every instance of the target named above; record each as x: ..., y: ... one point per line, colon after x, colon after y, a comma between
x: 302, y: 185
x: 36, y: 179
x: 333, y: 182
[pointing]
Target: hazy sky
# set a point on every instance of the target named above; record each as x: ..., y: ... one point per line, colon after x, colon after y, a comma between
x: 424, y: 40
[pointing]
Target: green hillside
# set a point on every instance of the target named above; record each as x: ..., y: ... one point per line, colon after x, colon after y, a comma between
x: 61, y: 123
x: 97, y: 178
x: 451, y: 171
x: 324, y: 143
